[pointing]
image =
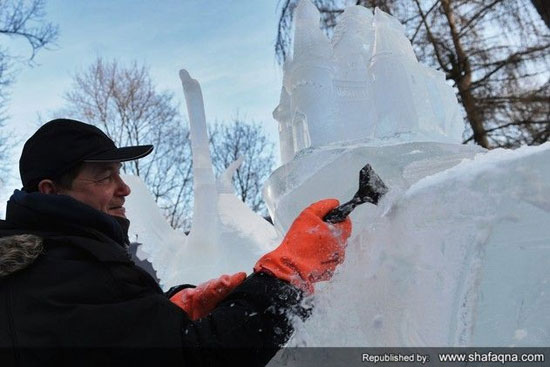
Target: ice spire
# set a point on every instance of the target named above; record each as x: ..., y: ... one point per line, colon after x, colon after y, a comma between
x: 282, y: 115
x: 309, y: 41
x: 390, y: 36
x: 309, y: 80
x: 226, y: 235
x: 204, y: 182
x: 390, y: 68
x: 352, y: 41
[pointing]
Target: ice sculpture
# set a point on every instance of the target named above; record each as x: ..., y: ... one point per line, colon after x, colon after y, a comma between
x: 460, y: 258
x: 364, y: 85
x: 226, y: 236
x: 352, y: 99
x: 457, y: 253
x: 159, y: 242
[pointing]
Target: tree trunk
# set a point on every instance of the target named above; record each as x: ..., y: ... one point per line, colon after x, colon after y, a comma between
x: 464, y: 80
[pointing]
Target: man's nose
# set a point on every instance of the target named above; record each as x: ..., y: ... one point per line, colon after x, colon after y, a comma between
x: 123, y: 189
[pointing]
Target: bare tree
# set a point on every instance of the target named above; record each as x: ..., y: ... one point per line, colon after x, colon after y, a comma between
x: 231, y: 141
x: 25, y: 20
x: 496, y: 53
x: 124, y: 103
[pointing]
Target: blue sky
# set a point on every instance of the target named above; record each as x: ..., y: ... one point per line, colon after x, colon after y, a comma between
x: 226, y: 45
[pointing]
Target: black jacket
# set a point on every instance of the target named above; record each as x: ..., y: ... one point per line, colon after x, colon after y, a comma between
x: 70, y: 295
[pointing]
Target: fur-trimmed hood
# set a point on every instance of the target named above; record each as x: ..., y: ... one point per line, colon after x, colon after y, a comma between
x: 18, y: 251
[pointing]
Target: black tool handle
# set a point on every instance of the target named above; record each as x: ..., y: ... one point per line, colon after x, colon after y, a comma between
x: 340, y: 213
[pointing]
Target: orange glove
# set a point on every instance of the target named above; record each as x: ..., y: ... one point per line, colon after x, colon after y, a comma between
x: 311, y: 249
x: 200, y: 301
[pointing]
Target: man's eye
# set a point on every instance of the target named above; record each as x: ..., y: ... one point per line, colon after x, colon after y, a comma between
x: 105, y: 179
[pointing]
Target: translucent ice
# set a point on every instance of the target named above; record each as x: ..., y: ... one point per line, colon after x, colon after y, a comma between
x: 243, y: 236
x: 366, y: 84
x: 333, y: 171
x: 149, y: 227
x: 456, y: 253
x: 204, y: 232
x: 226, y: 236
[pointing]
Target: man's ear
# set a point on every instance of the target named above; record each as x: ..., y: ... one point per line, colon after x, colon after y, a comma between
x: 47, y: 187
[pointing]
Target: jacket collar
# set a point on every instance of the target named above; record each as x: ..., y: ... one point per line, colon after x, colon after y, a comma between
x: 63, y: 214
x: 18, y: 251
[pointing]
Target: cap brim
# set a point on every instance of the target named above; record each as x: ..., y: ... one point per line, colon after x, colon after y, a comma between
x: 121, y: 154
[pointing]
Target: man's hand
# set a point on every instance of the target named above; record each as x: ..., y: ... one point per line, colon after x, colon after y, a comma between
x: 311, y: 249
x: 200, y: 301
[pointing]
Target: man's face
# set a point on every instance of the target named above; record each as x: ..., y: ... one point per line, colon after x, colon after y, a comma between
x: 100, y: 186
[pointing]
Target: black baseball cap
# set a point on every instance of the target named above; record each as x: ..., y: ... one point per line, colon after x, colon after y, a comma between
x: 61, y: 144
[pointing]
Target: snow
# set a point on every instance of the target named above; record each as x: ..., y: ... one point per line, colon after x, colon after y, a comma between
x: 459, y: 258
x: 456, y: 253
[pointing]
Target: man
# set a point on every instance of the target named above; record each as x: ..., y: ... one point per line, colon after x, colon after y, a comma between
x: 70, y: 295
